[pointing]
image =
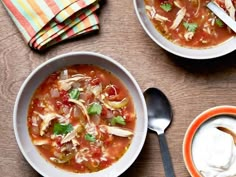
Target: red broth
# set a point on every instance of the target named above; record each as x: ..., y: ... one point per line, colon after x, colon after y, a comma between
x: 188, y: 22
x: 81, y: 119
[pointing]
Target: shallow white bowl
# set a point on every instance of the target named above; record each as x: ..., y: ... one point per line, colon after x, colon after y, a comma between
x: 191, y: 53
x: 26, y: 91
x: 192, y: 130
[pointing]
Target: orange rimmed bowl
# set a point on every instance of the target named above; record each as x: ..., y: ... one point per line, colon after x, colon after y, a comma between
x: 192, y: 130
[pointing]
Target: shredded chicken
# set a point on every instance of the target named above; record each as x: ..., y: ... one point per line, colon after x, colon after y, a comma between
x: 47, y: 118
x: 67, y: 83
x: 160, y: 18
x: 230, y: 8
x: 118, y: 131
x: 198, y: 8
x: 91, y: 129
x: 83, y: 109
x: 81, y: 155
x: 188, y: 36
x: 180, y: 15
x: 178, y: 4
x: 154, y: 15
x: 39, y: 142
x: 72, y: 134
x: 75, y: 143
x: 96, y: 90
x: 66, y: 117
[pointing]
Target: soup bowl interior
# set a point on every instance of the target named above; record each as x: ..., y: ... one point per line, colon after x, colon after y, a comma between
x: 28, y: 88
x: 191, y: 53
x: 210, y: 114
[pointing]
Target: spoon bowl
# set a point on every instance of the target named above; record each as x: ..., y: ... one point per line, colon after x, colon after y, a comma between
x: 159, y: 118
x: 159, y: 110
x: 222, y: 15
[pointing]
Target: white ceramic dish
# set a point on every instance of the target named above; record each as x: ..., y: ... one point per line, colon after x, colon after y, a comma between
x: 191, y: 53
x: 26, y: 91
x: 205, y: 116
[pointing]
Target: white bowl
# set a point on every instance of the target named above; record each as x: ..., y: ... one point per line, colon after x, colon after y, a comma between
x: 193, y: 129
x: 26, y: 91
x: 191, y: 53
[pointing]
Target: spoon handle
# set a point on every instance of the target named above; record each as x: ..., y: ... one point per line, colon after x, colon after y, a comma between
x: 169, y: 172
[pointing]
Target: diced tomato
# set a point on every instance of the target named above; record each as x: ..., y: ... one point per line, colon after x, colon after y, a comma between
x: 36, y: 105
x: 116, y: 113
x: 36, y: 102
x: 112, y: 90
x: 29, y: 121
x: 128, y: 117
x: 79, y: 167
x: 58, y: 105
x: 104, y: 164
x: 104, y: 111
x: 96, y: 152
x: 65, y: 97
x: 53, y: 76
x: 115, y: 97
x: 95, y: 81
x: 58, y: 140
x: 108, y: 140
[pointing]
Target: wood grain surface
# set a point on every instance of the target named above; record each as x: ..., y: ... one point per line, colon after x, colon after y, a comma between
x: 192, y: 86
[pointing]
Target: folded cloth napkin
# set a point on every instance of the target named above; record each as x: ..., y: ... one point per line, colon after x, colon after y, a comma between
x: 46, y: 22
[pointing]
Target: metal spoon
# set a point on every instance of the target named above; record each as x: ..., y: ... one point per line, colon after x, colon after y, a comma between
x: 230, y: 132
x: 159, y: 118
x: 222, y: 15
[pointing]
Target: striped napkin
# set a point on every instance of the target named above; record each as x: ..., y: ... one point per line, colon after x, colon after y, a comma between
x: 47, y: 22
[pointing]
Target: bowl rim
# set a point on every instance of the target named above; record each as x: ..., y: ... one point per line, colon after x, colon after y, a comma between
x: 192, y: 129
x: 83, y: 53
x: 176, y: 48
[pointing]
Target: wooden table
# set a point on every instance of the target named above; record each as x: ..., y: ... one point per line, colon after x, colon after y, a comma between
x: 192, y: 86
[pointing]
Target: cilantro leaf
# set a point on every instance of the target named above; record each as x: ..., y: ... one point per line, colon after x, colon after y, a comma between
x: 118, y: 120
x: 74, y: 94
x: 219, y: 22
x: 60, y: 129
x: 166, y: 7
x: 191, y: 27
x: 89, y: 137
x: 95, y: 108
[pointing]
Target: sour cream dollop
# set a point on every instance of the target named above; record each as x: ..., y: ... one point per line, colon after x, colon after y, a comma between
x: 214, y: 151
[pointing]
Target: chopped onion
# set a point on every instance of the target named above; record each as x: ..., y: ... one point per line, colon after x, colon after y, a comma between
x: 66, y: 109
x: 96, y: 90
x: 64, y: 74
x: 95, y: 119
x: 76, y: 85
x: 54, y: 93
x: 109, y: 114
x: 77, y: 112
x: 35, y: 130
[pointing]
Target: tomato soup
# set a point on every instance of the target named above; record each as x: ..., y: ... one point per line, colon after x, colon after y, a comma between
x: 189, y: 22
x: 81, y: 119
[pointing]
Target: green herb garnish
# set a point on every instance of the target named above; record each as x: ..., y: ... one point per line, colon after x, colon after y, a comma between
x: 166, y: 7
x: 219, y: 22
x: 74, y: 94
x: 118, y: 120
x: 60, y: 129
x: 89, y: 137
x: 191, y: 27
x: 95, y: 108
